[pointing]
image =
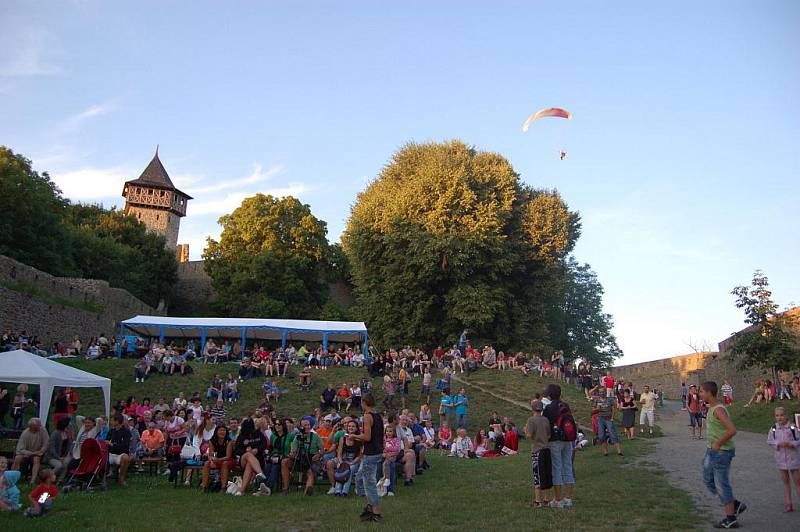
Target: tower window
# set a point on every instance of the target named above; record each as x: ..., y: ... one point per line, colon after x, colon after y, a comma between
x: 156, y: 217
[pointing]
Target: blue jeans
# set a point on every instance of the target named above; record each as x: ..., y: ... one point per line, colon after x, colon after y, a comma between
x: 461, y: 421
x: 273, y: 474
x: 716, y: 470
x: 602, y: 425
x: 345, y: 488
x: 365, y: 479
x: 561, y: 458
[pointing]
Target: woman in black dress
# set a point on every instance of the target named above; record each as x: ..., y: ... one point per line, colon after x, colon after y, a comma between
x: 628, y: 407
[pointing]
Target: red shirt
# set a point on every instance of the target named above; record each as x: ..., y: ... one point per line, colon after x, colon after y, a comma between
x: 608, y: 382
x: 42, y: 488
x: 438, y: 353
x: 511, y: 440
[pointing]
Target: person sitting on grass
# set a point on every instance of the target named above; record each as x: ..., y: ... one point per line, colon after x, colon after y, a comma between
x: 32, y: 446
x: 327, y: 398
x: 343, y: 396
x: 444, y: 436
x: 462, y: 446
x: 250, y: 451
x: 43, y: 495
x: 272, y: 391
x: 220, y: 457
x: 481, y: 444
x: 231, y: 391
x: 140, y: 370
x: 305, y: 455
x: 215, y: 389
x: 178, y: 363
x: 9, y: 492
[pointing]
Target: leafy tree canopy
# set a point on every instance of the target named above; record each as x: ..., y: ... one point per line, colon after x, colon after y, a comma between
x: 771, y: 341
x: 270, y: 261
x: 447, y: 237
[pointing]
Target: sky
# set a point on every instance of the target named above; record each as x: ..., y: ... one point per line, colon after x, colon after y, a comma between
x: 682, y: 158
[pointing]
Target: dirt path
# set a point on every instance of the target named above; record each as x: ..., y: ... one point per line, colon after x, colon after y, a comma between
x: 753, y: 475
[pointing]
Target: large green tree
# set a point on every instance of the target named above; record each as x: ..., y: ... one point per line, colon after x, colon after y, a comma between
x: 447, y: 237
x: 771, y: 341
x: 271, y: 260
x: 586, y: 328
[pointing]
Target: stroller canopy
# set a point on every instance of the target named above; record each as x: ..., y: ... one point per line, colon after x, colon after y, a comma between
x: 23, y: 367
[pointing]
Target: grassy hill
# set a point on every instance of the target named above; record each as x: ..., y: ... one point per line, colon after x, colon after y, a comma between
x: 487, y: 494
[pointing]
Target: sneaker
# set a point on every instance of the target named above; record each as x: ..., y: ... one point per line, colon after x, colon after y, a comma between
x: 390, y: 494
x: 375, y: 518
x: 556, y: 504
x: 263, y: 489
x: 408, y: 483
x: 187, y: 483
x: 237, y: 493
x: 728, y: 522
x: 566, y: 503
x: 387, y: 482
x: 739, y: 508
x: 366, y: 513
x: 331, y: 491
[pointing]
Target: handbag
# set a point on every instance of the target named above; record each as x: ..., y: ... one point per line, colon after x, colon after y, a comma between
x: 342, y: 472
x: 189, y: 451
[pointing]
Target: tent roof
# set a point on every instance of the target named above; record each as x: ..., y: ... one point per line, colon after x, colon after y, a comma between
x: 21, y: 366
x: 256, y: 328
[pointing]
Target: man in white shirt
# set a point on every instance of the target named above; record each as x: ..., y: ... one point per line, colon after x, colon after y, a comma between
x: 409, y: 459
x: 648, y: 413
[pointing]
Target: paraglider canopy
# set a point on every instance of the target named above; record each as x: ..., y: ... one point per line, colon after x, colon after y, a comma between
x: 555, y: 112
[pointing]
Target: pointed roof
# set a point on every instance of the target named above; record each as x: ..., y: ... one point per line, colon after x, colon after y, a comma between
x: 155, y: 175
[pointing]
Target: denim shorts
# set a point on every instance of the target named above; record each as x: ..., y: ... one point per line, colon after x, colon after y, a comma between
x: 695, y: 419
x: 602, y: 424
x: 561, y: 459
x: 716, y: 471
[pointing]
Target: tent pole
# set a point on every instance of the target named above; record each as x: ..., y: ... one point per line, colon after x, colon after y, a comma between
x: 161, y: 334
x: 244, y: 340
x: 202, y: 341
x: 119, y: 339
x: 325, y: 341
x: 365, y: 347
x: 284, y: 337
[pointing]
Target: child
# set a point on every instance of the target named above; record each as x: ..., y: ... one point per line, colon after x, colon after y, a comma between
x: 42, y: 496
x: 537, y: 431
x: 608, y: 383
x: 784, y: 438
x: 719, y: 454
x: 391, y: 449
x: 9, y: 492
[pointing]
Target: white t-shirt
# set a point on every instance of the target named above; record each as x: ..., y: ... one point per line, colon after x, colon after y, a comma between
x: 426, y: 379
x: 404, y: 433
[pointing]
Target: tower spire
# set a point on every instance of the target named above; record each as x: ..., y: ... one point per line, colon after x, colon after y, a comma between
x: 156, y: 150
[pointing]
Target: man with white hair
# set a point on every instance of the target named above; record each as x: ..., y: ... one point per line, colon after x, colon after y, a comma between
x: 32, y: 445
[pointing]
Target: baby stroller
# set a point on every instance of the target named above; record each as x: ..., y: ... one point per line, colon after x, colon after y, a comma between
x: 91, y: 470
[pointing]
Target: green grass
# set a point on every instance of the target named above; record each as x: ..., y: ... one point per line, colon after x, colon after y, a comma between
x: 486, y: 494
x: 24, y: 287
x: 759, y: 417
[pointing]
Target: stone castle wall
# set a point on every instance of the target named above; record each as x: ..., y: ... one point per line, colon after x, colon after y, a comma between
x: 192, y: 291
x: 53, y: 317
x: 691, y: 369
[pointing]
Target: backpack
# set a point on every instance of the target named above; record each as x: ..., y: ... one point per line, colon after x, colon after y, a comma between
x: 565, y: 428
x: 791, y: 427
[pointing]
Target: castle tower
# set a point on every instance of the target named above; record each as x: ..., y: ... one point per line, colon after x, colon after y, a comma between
x: 155, y: 201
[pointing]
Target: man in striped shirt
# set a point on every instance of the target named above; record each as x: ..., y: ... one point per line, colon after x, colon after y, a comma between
x: 218, y: 411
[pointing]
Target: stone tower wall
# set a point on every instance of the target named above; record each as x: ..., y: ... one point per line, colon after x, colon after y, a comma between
x: 159, y: 221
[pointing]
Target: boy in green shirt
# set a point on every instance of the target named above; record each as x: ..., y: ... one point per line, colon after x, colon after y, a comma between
x: 719, y: 454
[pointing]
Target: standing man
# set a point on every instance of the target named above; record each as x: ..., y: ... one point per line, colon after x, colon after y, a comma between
x: 461, y: 402
x: 695, y: 407
x: 684, y: 395
x: 648, y: 402
x: 719, y: 454
x: 605, y: 408
x: 445, y: 406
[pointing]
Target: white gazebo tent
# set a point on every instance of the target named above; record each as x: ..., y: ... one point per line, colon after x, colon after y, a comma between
x: 23, y: 367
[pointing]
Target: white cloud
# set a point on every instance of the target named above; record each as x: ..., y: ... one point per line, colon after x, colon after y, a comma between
x: 24, y: 49
x: 233, y: 200
x: 74, y: 122
x: 258, y: 175
x: 92, y: 183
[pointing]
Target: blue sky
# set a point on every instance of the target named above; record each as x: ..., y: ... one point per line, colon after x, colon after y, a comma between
x: 683, y: 150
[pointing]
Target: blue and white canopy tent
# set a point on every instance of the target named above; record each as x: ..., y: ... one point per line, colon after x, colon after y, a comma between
x: 247, y: 329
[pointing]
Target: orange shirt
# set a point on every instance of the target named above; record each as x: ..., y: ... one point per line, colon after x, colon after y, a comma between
x: 324, y: 433
x: 152, y: 440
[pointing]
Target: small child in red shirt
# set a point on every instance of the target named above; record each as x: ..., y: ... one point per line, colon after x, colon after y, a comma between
x: 41, y: 498
x: 608, y: 384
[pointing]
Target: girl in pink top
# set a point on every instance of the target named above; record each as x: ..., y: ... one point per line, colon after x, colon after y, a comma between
x: 391, y: 448
x: 784, y: 437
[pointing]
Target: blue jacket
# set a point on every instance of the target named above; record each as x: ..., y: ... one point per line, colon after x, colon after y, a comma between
x: 11, y: 492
